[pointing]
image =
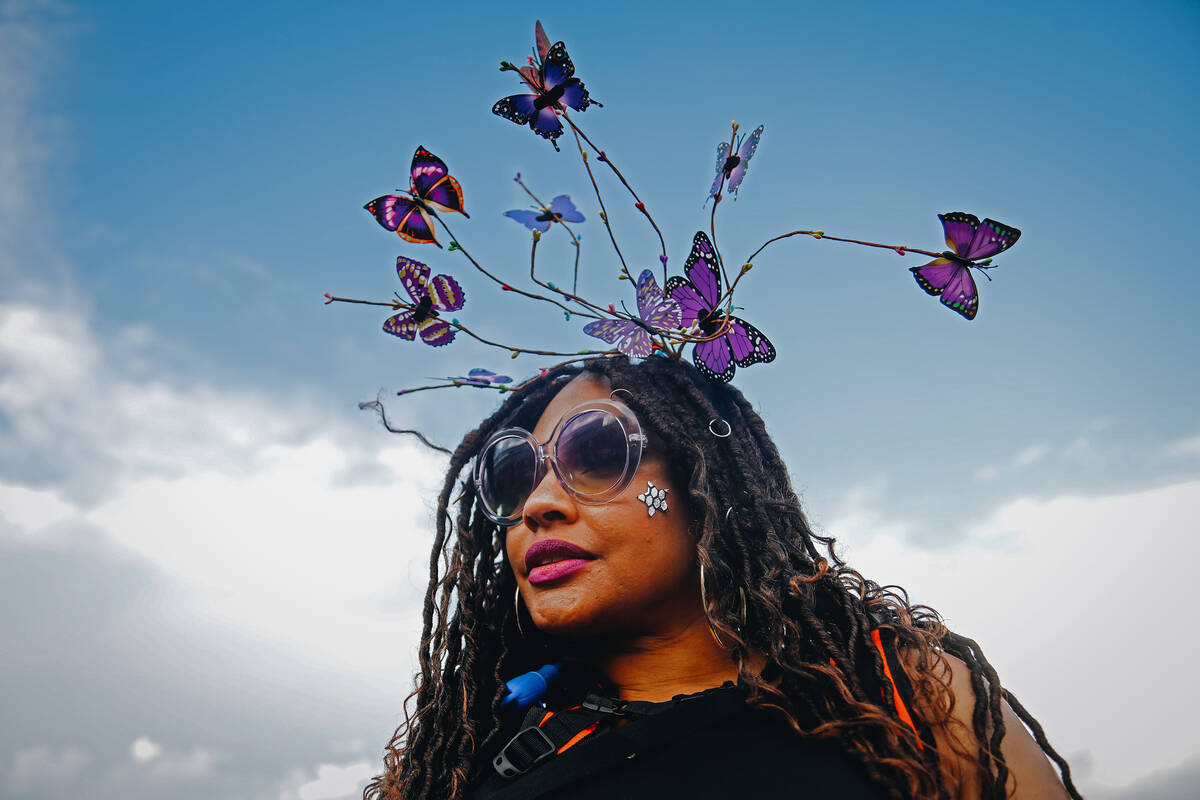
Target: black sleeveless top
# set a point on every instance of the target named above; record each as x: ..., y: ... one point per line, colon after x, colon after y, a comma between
x: 706, y: 745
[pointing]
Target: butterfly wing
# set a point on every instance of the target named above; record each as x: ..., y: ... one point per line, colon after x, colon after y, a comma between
x: 414, y: 277
x: 532, y: 76
x: 991, y: 238
x: 699, y: 292
x: 748, y: 344
x: 659, y: 311
x: 436, y: 332
x: 401, y: 325
x: 714, y: 359
x: 558, y: 74
x: 540, y: 38
x: 432, y: 182
x: 628, y: 337
x: 529, y: 219
x: 446, y: 293
x: 959, y: 228
x: 744, y: 153
x: 563, y: 206
x: 518, y: 108
x: 953, y: 282
x: 486, y: 375
x: 722, y: 157
x: 390, y: 210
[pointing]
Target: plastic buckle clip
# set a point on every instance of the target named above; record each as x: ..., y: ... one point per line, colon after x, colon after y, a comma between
x: 522, y: 752
x: 604, y: 705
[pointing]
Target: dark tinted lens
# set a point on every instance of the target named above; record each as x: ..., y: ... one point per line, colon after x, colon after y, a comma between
x: 506, y: 476
x: 592, y: 451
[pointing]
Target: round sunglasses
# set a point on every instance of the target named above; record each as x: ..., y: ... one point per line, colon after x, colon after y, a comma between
x: 594, y: 450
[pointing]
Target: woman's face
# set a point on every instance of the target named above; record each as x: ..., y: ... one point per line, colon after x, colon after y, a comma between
x: 638, y: 573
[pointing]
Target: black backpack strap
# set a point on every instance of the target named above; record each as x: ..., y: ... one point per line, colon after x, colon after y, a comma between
x: 545, y: 733
x: 641, y: 735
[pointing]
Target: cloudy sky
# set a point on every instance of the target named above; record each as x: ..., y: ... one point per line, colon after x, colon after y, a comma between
x: 210, y: 558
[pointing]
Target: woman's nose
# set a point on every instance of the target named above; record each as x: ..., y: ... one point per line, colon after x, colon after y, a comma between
x: 549, y: 503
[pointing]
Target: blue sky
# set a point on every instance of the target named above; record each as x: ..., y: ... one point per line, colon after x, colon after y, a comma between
x: 183, y: 182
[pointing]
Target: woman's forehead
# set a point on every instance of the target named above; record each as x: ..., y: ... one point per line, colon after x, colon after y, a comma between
x: 580, y: 389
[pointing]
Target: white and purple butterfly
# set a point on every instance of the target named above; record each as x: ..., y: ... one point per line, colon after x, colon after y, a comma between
x: 950, y: 275
x: 561, y: 209
x: 429, y: 296
x: 656, y: 312
x: 732, y: 167
x: 699, y: 295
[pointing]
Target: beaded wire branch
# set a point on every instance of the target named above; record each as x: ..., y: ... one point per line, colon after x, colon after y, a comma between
x: 694, y: 309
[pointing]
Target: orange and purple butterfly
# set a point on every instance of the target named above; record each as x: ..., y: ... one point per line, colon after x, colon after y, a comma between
x: 433, y: 189
x: 972, y: 244
x: 561, y: 209
x: 552, y: 78
x: 430, y: 296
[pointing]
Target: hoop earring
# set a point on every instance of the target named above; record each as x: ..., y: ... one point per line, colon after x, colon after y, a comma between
x: 613, y: 394
x: 704, y: 602
x: 517, y: 609
x: 715, y: 428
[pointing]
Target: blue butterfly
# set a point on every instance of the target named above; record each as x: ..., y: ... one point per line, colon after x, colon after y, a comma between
x: 561, y: 209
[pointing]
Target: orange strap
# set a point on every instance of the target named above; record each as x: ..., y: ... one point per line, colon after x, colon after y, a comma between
x: 901, y: 709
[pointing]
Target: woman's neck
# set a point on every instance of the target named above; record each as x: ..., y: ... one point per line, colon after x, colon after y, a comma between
x: 657, y: 667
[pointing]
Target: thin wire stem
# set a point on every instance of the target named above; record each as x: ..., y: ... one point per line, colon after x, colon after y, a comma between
x: 899, y: 248
x: 599, y: 199
x: 574, y: 238
x: 641, y: 206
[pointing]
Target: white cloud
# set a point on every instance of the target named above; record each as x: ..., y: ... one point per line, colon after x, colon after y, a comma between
x: 239, y: 497
x: 1079, y: 603
x: 1185, y: 447
x: 332, y: 782
x: 144, y: 749
x: 1026, y: 457
x: 35, y: 767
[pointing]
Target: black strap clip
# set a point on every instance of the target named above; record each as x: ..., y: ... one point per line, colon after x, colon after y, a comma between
x: 525, y: 750
x: 605, y: 705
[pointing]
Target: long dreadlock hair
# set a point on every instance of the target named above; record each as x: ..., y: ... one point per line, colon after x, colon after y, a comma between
x: 775, y: 587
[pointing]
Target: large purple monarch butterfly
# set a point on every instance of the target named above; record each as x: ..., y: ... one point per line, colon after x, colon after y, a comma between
x: 699, y: 295
x: 556, y: 86
x: 969, y: 241
x: 656, y: 312
x: 430, y: 296
x: 561, y: 209
x: 732, y: 166
x: 433, y: 189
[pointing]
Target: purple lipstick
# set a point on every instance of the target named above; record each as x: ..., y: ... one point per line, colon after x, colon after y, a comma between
x: 551, y: 559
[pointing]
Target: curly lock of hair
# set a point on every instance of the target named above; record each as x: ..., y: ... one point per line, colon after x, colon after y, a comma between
x: 804, y: 609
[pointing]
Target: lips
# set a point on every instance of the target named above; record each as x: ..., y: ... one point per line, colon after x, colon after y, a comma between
x: 550, y: 551
x: 551, y: 559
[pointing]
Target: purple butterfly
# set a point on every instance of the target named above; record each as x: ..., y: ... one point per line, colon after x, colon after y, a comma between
x: 732, y: 167
x: 699, y: 295
x: 482, y: 377
x: 433, y: 189
x: 969, y: 241
x: 555, y: 86
x: 656, y: 312
x: 561, y: 209
x: 442, y: 293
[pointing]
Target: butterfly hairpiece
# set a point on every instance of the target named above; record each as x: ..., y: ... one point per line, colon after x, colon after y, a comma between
x: 429, y: 298
x: 728, y: 342
x: 972, y: 244
x: 657, y: 312
x: 555, y: 88
x: 561, y: 209
x: 732, y: 163
x: 433, y: 189
x: 695, y: 308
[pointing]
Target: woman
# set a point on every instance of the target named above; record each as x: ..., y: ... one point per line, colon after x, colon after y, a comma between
x: 644, y: 535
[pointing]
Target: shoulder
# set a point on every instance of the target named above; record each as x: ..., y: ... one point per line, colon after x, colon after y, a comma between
x: 1031, y: 776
